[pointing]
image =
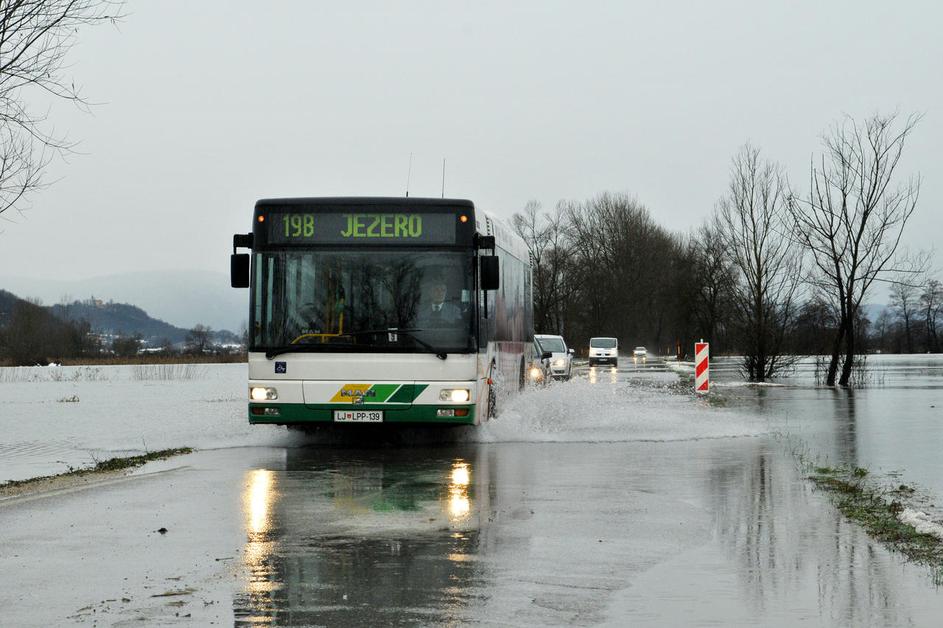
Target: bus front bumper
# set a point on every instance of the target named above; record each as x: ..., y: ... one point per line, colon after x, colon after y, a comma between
x: 299, y: 413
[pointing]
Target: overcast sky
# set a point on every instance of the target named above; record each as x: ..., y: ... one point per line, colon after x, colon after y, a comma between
x: 207, y: 106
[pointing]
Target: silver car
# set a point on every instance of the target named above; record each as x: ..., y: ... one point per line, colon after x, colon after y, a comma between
x: 554, y: 358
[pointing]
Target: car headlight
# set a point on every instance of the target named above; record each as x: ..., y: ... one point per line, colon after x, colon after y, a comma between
x: 559, y: 363
x: 458, y: 395
x: 262, y: 393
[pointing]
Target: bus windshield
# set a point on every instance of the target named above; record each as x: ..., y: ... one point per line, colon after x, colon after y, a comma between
x: 357, y: 300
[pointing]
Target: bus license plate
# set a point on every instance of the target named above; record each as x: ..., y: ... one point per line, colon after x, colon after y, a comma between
x: 358, y: 416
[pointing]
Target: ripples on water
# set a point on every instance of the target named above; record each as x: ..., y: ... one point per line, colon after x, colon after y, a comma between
x: 122, y: 410
x: 777, y: 542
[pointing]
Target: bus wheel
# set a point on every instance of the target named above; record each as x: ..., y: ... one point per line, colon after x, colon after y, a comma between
x: 492, y: 396
x: 492, y: 402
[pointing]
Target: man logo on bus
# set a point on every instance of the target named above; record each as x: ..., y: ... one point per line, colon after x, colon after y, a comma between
x: 356, y: 395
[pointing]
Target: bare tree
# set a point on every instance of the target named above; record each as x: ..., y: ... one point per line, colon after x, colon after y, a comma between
x: 167, y: 346
x: 244, y: 335
x: 531, y: 226
x: 904, y: 303
x: 882, y: 329
x: 853, y: 219
x: 622, y: 260
x: 560, y: 258
x: 751, y: 219
x: 551, y: 257
x: 591, y: 225
x: 35, y: 37
x: 931, y: 304
x: 127, y: 346
x: 198, y: 339
x: 714, y: 276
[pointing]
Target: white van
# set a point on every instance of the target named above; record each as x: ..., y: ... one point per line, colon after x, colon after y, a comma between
x: 603, y: 350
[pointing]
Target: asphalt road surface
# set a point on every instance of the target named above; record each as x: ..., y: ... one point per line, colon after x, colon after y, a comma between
x: 699, y: 531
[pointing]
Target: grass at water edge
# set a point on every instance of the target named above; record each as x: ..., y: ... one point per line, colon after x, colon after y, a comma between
x: 103, y: 466
x: 877, y: 510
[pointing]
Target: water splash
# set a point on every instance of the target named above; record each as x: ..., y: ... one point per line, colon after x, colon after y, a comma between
x: 582, y: 411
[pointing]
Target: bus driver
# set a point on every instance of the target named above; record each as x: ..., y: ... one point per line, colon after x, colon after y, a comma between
x: 436, y: 311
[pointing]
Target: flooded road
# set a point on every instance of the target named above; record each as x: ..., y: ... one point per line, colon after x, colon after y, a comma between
x: 609, y: 500
x: 684, y: 533
x: 891, y: 425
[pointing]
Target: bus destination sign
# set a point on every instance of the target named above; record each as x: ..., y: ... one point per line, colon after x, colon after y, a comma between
x: 358, y: 228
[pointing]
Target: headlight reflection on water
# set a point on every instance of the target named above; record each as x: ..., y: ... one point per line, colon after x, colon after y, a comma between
x: 459, y: 502
x: 461, y: 476
x: 257, y: 502
x: 594, y: 372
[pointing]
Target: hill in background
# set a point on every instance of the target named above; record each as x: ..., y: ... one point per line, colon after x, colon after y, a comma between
x: 31, y: 334
x: 7, y: 302
x: 39, y: 326
x: 181, y: 298
x: 122, y: 319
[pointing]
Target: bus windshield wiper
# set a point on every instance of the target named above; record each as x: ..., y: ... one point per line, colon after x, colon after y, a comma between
x: 296, y: 348
x: 406, y: 332
x: 271, y: 353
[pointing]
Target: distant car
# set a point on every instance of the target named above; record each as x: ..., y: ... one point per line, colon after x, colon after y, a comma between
x: 552, y: 358
x: 603, y: 350
x: 640, y: 353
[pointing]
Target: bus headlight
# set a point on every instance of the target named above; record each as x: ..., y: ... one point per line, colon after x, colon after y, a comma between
x: 262, y: 393
x: 458, y: 395
x: 536, y: 373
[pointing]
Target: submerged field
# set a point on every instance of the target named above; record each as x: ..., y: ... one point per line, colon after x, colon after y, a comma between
x: 616, y: 497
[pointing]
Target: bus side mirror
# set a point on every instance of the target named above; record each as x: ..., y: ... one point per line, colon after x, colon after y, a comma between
x: 239, y: 270
x: 490, y: 277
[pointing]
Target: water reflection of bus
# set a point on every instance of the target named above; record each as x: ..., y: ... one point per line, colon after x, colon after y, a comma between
x: 382, y: 310
x: 344, y: 537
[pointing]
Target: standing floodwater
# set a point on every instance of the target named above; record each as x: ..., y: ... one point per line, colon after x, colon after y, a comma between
x: 615, y: 499
x: 892, y: 422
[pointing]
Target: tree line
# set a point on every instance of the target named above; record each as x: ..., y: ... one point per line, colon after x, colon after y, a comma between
x: 773, y: 274
x: 31, y: 334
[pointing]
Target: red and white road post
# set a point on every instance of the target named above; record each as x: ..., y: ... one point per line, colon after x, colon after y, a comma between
x: 701, y: 367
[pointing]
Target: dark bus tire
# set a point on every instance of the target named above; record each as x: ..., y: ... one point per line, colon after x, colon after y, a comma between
x: 492, y: 396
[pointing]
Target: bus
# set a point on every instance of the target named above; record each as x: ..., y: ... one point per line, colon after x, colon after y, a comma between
x: 382, y: 310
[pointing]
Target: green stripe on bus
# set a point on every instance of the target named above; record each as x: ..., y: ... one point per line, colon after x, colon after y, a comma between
x: 297, y: 413
x: 408, y: 393
x: 381, y: 392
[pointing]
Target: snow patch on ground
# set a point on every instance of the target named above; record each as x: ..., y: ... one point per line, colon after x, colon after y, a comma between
x: 921, y: 522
